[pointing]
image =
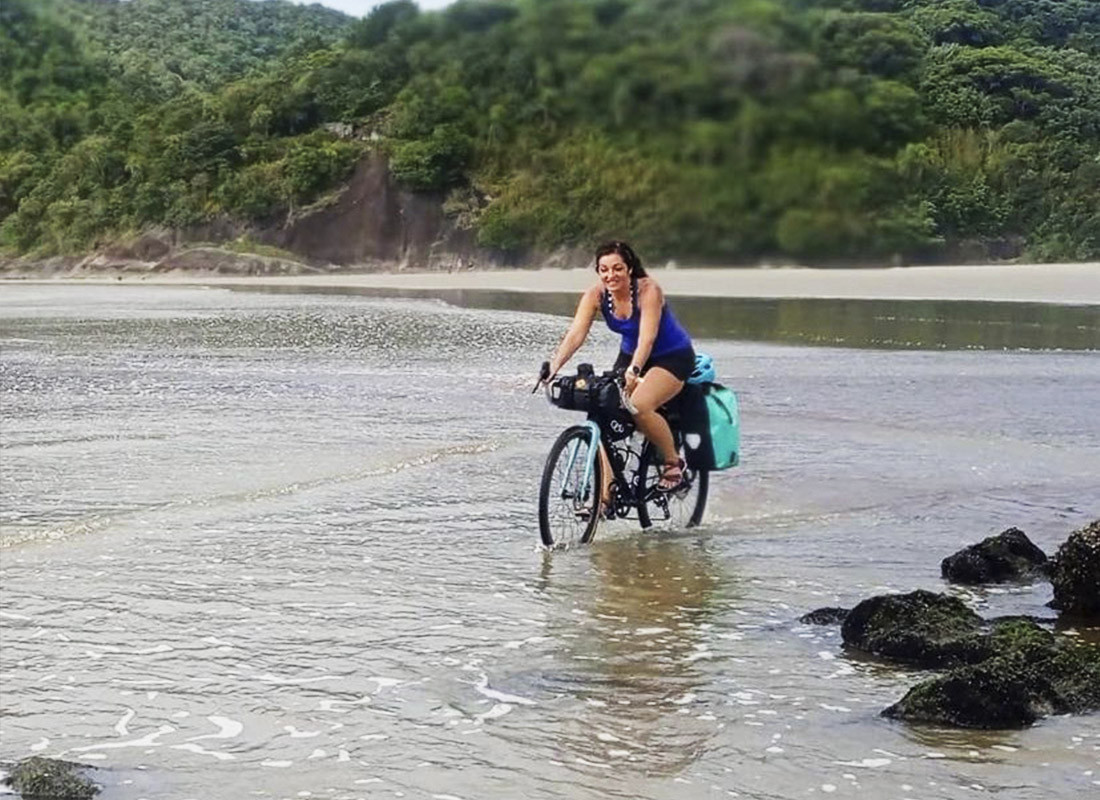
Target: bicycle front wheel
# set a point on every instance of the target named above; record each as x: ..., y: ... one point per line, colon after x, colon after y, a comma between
x: 682, y: 508
x: 569, y: 495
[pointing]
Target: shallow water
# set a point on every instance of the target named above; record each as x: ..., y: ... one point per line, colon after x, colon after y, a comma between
x: 268, y: 545
x: 840, y: 322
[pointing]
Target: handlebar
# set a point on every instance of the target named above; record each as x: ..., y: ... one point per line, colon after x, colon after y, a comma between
x: 617, y: 376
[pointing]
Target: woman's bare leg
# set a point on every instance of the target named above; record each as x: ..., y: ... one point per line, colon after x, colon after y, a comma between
x: 658, y: 387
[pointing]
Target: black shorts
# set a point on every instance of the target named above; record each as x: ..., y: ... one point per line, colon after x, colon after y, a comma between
x: 679, y: 362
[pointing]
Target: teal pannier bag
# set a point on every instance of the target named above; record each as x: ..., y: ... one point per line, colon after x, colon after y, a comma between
x: 711, y: 425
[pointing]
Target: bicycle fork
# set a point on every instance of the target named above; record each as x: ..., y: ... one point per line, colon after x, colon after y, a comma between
x: 589, y: 465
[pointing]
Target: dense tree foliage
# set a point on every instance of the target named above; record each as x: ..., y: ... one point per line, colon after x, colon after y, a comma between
x: 158, y: 46
x: 722, y: 129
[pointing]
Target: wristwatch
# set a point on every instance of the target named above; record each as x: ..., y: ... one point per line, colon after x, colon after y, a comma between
x: 634, y: 368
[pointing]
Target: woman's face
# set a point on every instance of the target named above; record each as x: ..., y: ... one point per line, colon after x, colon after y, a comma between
x: 613, y: 271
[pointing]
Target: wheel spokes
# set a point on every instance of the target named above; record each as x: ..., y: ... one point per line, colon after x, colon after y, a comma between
x: 570, y: 515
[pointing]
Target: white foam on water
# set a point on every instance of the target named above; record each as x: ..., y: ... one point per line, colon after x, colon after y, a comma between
x: 334, y: 705
x: 227, y: 729
x: 588, y: 763
x: 842, y: 671
x: 482, y: 688
x: 517, y: 643
x: 200, y: 750
x: 384, y: 683
x: 498, y: 710
x: 276, y: 764
x: 149, y: 740
x: 116, y: 650
x: 120, y: 726
x: 267, y: 677
x: 297, y: 734
x: 40, y: 745
x: 869, y: 763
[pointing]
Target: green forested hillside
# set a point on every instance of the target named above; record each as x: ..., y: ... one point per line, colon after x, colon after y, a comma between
x: 718, y: 129
x: 158, y: 47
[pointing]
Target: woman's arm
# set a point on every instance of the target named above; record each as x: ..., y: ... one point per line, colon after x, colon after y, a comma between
x: 650, y: 301
x: 578, y: 331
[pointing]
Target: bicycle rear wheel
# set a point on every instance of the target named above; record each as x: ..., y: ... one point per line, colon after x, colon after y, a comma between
x: 683, y: 508
x: 569, y: 505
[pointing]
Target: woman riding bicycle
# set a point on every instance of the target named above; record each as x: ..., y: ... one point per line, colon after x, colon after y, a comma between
x: 656, y: 352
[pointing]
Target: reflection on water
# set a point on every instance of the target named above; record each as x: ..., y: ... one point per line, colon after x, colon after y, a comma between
x: 634, y: 641
x: 889, y: 324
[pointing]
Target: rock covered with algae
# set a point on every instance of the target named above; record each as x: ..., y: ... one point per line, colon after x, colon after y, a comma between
x: 38, y: 778
x: 1008, y: 556
x: 1076, y: 573
x: 1031, y: 673
x: 922, y: 628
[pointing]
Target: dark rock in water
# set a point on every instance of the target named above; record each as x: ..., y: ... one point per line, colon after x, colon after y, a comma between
x: 1032, y: 674
x: 1008, y: 556
x: 922, y: 628
x: 824, y: 616
x: 39, y: 778
x: 1021, y: 618
x: 1076, y: 573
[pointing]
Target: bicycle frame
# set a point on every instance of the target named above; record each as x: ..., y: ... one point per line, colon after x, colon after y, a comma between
x: 631, y: 490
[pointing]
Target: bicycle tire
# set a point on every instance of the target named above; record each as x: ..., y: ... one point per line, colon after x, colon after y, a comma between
x: 680, y: 509
x: 566, y: 516
x: 642, y: 486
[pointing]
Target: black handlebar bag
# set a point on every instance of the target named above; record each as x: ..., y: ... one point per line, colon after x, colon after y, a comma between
x: 590, y: 393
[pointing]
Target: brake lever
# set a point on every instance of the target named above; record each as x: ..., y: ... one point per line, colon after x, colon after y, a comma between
x: 544, y: 375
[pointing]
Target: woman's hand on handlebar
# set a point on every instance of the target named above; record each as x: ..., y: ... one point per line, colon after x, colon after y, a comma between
x: 630, y: 382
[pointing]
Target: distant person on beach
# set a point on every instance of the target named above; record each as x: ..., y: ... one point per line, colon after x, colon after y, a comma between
x: 656, y: 352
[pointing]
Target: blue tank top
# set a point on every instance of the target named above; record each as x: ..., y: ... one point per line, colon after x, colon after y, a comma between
x: 671, y: 335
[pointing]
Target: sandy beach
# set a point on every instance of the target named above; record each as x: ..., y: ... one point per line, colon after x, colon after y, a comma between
x: 1069, y: 284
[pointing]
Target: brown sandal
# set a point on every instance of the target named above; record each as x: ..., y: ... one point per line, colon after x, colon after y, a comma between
x: 672, y: 476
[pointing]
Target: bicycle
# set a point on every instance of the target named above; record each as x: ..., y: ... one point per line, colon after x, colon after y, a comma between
x: 570, y: 507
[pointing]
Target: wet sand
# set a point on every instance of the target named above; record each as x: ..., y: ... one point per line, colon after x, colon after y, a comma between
x: 1068, y: 284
